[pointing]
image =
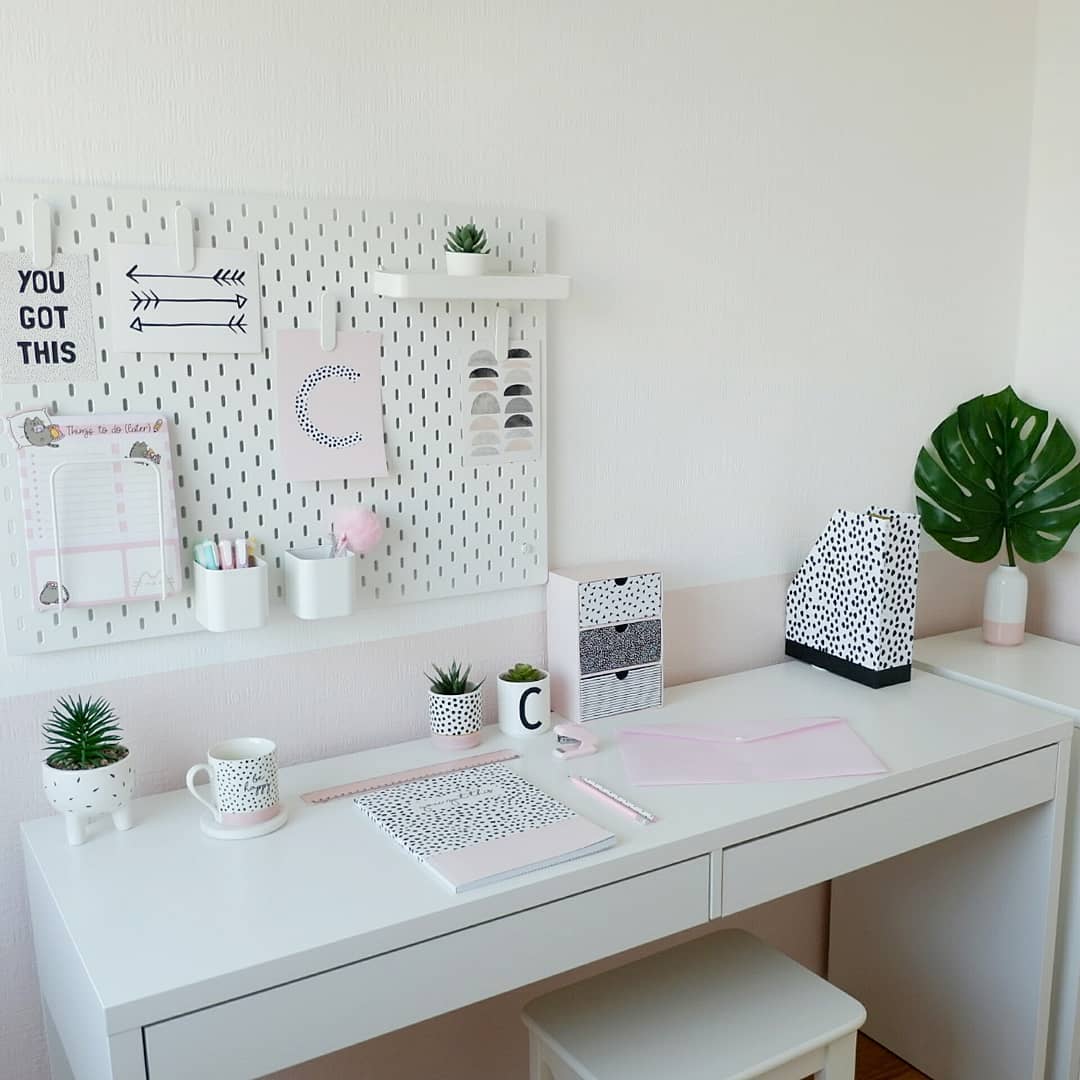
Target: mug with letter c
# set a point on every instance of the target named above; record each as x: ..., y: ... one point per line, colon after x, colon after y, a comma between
x: 244, y: 782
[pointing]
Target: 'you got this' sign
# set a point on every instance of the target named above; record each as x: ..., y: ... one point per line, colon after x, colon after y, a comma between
x: 46, y: 322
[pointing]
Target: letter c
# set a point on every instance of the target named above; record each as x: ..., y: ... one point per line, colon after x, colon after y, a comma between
x: 303, y: 417
x: 521, y: 709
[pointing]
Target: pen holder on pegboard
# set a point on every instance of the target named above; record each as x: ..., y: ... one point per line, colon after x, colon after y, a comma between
x: 232, y: 599
x: 317, y: 587
x: 851, y: 605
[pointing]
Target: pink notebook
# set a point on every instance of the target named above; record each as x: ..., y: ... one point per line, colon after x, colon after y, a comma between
x: 745, y: 752
x: 481, y: 825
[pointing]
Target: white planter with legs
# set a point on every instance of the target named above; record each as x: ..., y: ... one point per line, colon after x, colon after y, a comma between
x: 81, y: 794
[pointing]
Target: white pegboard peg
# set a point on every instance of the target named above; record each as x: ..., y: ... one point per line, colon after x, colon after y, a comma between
x: 41, y: 236
x: 185, y: 238
x: 328, y: 322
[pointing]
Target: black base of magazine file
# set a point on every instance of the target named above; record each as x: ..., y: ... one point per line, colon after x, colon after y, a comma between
x: 868, y: 677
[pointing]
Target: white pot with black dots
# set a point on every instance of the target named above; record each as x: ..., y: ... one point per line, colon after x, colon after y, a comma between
x: 82, y: 794
x: 524, y: 703
x: 456, y: 719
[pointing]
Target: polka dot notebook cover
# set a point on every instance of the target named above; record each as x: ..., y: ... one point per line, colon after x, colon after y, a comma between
x: 481, y: 825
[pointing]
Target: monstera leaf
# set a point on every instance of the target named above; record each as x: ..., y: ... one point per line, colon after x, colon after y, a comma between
x: 995, y: 473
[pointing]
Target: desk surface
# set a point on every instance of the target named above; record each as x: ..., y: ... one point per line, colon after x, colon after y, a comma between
x: 201, y: 921
x: 1040, y: 672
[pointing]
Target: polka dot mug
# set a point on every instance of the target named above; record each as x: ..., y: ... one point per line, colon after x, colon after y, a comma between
x: 244, y: 778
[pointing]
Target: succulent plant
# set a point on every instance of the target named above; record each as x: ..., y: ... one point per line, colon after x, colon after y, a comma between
x: 467, y: 240
x: 452, y: 679
x: 522, y: 673
x: 82, y: 734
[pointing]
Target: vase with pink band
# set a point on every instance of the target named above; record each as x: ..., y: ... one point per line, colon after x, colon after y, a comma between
x: 1005, y: 606
x: 245, y: 800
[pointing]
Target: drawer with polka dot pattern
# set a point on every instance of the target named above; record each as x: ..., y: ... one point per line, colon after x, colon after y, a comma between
x: 620, y: 599
x: 605, y: 620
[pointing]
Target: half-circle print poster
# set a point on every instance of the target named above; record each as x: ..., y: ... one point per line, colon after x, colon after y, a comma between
x: 502, y: 403
x: 329, y: 406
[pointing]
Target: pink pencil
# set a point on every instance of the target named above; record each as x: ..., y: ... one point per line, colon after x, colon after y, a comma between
x: 616, y: 802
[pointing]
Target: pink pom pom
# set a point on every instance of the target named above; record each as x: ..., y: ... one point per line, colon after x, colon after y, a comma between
x: 359, y: 530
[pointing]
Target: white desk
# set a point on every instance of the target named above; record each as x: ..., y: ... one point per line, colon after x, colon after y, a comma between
x: 1045, y: 673
x: 167, y: 955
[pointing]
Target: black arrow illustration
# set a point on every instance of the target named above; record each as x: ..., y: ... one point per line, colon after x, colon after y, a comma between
x: 223, y: 276
x: 149, y: 299
x: 235, y: 324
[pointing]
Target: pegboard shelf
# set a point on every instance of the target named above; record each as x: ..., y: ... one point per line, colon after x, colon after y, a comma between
x: 480, y: 287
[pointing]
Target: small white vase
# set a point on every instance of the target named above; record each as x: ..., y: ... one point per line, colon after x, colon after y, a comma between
x: 524, y: 707
x: 456, y: 719
x: 1005, y: 606
x: 81, y: 794
x: 465, y: 263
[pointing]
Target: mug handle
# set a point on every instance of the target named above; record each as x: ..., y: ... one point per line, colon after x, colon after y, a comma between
x: 191, y: 774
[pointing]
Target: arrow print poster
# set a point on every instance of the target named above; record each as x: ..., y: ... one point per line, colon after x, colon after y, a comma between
x: 330, y: 406
x: 156, y: 307
x: 46, y: 321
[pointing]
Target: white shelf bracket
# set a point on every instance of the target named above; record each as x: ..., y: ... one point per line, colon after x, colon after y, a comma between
x: 41, y: 234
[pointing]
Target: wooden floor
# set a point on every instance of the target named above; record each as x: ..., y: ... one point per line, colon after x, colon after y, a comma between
x: 874, y: 1062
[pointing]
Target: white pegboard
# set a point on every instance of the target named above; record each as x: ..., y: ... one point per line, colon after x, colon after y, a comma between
x: 450, y: 530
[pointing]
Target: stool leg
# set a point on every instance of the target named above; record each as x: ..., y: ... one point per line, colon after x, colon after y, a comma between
x: 538, y: 1067
x: 840, y: 1059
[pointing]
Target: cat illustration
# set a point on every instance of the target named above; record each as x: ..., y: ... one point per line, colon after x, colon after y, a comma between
x: 50, y: 594
x: 38, y: 433
x: 141, y: 450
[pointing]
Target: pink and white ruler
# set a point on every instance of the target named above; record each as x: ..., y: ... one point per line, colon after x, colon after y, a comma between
x: 374, y: 783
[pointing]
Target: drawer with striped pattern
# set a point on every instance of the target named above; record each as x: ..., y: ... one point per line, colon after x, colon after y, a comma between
x: 622, y: 691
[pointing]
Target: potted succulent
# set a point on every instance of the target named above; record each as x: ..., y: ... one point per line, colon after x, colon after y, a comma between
x: 455, y: 707
x: 997, y: 472
x: 466, y: 251
x: 524, y: 701
x: 88, y: 770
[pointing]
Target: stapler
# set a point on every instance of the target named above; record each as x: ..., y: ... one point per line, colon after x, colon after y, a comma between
x: 573, y: 740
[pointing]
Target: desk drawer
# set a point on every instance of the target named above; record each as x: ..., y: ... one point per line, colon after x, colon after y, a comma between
x: 761, y: 870
x: 254, y: 1035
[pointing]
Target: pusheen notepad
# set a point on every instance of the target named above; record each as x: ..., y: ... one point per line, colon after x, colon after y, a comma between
x: 481, y: 825
x: 99, y: 505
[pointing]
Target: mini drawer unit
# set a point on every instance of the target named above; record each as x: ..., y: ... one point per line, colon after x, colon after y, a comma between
x: 605, y: 640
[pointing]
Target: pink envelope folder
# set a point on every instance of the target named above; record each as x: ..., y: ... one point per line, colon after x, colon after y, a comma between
x: 745, y: 752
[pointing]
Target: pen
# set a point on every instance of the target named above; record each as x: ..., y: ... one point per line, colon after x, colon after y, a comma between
x: 616, y: 802
x: 225, y: 554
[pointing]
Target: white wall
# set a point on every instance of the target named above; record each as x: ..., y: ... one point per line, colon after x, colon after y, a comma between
x: 1048, y: 354
x: 1048, y: 357
x: 796, y: 235
x: 795, y: 228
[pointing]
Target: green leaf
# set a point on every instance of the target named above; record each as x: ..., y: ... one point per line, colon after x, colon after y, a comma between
x: 992, y: 476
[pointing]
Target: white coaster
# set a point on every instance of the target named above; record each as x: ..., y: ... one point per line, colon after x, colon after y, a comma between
x: 219, y: 832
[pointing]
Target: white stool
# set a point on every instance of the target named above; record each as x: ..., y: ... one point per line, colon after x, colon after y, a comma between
x: 725, y: 1007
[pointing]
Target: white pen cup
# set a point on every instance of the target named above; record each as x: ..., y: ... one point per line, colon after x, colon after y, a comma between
x: 243, y: 780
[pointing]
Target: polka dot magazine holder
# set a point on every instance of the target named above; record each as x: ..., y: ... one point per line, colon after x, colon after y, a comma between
x: 851, y: 605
